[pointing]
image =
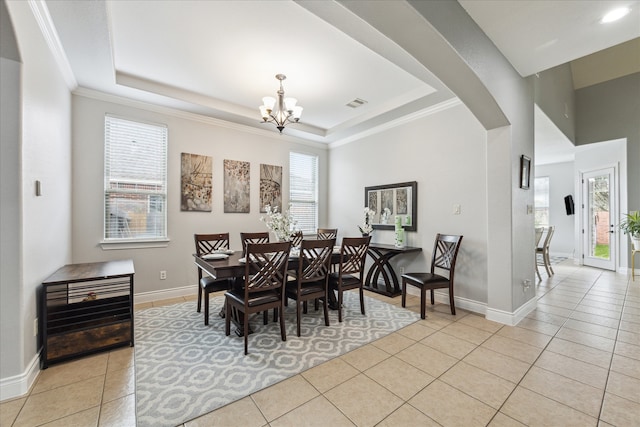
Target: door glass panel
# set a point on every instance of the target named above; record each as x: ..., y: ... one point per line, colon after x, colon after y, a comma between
x: 599, y: 235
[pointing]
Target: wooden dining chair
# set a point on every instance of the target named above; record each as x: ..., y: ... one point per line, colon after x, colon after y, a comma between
x: 311, y: 277
x: 264, y: 281
x: 543, y: 251
x: 258, y: 237
x: 207, y: 244
x: 350, y: 274
x: 445, y: 254
x: 327, y: 233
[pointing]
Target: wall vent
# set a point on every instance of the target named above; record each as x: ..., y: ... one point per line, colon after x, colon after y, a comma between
x: 356, y: 103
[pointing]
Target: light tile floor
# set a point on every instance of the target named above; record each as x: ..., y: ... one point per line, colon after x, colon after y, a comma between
x: 575, y: 360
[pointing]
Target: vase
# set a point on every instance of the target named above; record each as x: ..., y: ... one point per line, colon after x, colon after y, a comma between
x: 636, y: 242
x: 365, y: 234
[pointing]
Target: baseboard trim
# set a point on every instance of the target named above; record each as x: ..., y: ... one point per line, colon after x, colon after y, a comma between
x: 19, y: 385
x: 513, y: 318
x: 500, y: 316
x: 163, y: 294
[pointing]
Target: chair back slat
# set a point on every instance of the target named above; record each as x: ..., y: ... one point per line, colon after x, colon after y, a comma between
x: 352, y: 254
x: 266, y: 266
x: 208, y: 243
x: 296, y: 238
x: 315, y: 260
x: 445, y: 252
x: 327, y: 233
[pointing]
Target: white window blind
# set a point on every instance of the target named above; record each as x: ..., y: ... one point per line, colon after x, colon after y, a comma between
x: 303, y: 190
x: 135, y: 180
x: 541, y: 201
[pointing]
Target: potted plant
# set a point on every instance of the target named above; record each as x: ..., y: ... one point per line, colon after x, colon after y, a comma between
x: 630, y: 225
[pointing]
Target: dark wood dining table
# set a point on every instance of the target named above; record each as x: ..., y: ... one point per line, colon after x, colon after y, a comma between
x: 233, y: 268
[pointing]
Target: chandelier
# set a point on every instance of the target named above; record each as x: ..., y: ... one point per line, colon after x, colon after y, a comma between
x: 285, y: 112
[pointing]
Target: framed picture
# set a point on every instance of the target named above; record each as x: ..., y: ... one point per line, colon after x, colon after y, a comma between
x: 195, y: 182
x: 270, y: 187
x: 525, y: 172
x: 391, y: 200
x: 236, y: 186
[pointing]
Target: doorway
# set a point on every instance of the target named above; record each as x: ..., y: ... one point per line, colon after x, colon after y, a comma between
x: 598, y: 218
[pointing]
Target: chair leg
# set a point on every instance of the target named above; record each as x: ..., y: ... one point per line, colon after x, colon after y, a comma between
x: 325, y: 306
x: 404, y: 293
x: 453, y: 307
x: 362, y: 300
x: 433, y: 301
x: 423, y: 303
x: 246, y: 333
x: 283, y: 332
x: 538, y: 271
x: 339, y: 305
x: 206, y: 307
x: 547, y: 264
x: 199, y: 297
x: 227, y: 319
x: 298, y: 316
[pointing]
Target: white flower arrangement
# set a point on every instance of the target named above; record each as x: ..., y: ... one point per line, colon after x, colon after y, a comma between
x: 366, y: 227
x: 282, y: 224
x: 384, y: 217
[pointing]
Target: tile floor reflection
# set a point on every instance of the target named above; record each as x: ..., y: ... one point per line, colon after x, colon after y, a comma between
x: 575, y: 360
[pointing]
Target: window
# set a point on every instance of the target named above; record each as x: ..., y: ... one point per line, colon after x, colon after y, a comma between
x: 303, y: 190
x: 541, y: 201
x: 135, y: 180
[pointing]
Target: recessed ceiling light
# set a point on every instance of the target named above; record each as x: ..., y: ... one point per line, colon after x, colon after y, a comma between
x: 615, y: 14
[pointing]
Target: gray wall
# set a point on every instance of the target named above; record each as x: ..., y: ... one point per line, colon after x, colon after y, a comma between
x: 43, y: 143
x: 10, y: 223
x: 554, y: 94
x: 608, y: 111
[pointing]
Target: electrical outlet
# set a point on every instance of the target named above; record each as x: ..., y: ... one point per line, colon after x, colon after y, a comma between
x: 456, y: 209
x: 163, y: 275
x: 526, y: 284
x: 35, y: 327
x: 401, y: 270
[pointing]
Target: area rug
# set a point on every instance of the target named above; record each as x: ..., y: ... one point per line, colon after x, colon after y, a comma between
x: 185, y: 369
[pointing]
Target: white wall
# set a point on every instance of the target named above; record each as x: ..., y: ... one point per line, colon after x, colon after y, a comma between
x: 45, y: 226
x: 187, y: 134
x: 446, y: 154
x: 561, y: 184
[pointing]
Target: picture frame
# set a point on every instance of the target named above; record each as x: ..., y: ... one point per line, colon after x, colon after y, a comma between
x: 399, y: 199
x: 525, y: 172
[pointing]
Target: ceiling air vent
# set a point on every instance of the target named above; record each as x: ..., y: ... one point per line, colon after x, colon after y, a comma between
x: 356, y: 103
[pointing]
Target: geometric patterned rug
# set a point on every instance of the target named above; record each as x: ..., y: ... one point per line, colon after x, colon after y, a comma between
x: 185, y: 369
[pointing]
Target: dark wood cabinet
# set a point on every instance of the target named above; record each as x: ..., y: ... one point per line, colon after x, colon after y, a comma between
x: 86, y: 308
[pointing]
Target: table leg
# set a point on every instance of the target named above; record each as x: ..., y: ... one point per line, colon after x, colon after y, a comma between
x: 382, y: 266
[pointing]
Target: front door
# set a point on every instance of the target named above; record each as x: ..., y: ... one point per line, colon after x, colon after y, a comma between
x: 598, y: 190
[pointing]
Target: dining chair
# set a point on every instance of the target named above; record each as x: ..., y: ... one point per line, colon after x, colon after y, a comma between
x: 350, y: 274
x: 310, y: 279
x: 296, y: 238
x: 445, y: 254
x: 207, y: 244
x: 543, y: 251
x: 327, y: 233
x: 258, y: 237
x: 264, y: 281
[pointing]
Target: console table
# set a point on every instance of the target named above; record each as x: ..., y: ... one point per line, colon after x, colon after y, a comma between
x: 86, y: 308
x: 381, y: 255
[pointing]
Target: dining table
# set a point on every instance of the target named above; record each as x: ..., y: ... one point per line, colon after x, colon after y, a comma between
x: 233, y: 266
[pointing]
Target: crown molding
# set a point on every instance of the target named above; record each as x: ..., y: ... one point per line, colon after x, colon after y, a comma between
x: 43, y: 18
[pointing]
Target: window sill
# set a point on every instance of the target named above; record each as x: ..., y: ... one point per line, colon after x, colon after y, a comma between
x: 108, y: 245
